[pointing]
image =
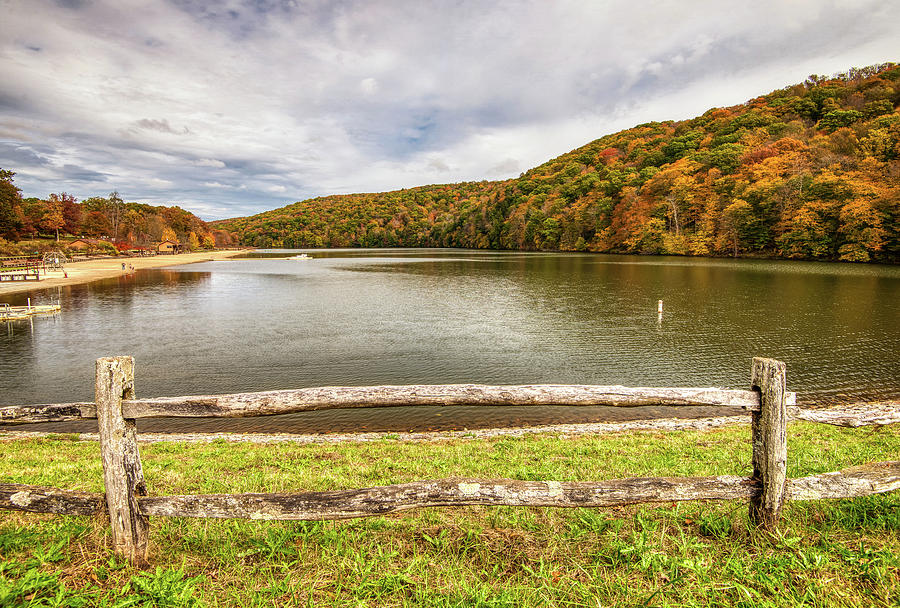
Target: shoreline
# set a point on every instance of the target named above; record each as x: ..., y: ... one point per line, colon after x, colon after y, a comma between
x: 80, y: 273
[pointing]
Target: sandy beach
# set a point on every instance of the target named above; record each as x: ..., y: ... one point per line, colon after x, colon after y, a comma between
x: 93, y: 270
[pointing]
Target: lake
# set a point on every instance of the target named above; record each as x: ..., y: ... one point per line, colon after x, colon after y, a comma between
x: 407, y: 316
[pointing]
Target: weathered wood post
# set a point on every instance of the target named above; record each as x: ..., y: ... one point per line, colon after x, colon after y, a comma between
x: 769, y: 430
x: 122, y: 473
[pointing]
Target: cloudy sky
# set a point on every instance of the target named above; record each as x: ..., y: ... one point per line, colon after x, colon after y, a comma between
x: 231, y: 107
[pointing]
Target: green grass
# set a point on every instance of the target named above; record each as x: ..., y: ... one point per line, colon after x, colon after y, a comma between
x: 826, y: 553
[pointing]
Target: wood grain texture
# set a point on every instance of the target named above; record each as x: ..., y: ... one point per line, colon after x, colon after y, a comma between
x: 367, y: 502
x: 769, y: 432
x: 331, y: 397
x: 864, y: 480
x: 122, y: 473
x: 858, y: 415
x: 875, y: 478
x: 241, y: 405
x: 53, y: 412
x: 40, y: 499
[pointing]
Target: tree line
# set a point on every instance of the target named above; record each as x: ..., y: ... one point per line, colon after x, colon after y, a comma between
x: 124, y: 225
x: 811, y: 171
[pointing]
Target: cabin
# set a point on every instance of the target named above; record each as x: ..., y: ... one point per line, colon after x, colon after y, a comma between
x: 170, y: 247
x: 82, y: 244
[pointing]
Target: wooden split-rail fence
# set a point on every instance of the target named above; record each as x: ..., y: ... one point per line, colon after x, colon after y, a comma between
x: 129, y: 506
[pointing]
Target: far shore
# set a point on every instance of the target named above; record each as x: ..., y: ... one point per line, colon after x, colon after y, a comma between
x: 78, y: 273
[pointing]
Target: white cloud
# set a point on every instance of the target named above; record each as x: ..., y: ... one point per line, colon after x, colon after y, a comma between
x: 155, y: 182
x: 209, y: 162
x: 195, y: 105
x: 369, y: 86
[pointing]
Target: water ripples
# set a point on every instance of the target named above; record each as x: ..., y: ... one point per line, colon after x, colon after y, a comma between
x: 411, y: 317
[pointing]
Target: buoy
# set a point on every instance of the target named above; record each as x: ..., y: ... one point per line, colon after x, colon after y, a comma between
x: 659, y: 307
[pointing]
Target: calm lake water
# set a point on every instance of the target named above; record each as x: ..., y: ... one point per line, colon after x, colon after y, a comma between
x: 361, y: 317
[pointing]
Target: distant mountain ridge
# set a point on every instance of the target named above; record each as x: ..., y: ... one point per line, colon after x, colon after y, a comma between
x: 811, y: 171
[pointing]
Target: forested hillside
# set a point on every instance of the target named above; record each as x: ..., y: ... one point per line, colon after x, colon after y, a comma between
x: 123, y: 224
x: 811, y: 171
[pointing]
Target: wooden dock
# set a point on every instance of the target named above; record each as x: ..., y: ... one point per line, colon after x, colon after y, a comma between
x: 15, y: 313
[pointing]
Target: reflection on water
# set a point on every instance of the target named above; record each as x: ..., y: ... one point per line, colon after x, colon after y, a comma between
x: 359, y: 317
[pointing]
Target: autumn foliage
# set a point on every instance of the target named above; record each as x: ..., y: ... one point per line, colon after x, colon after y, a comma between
x: 811, y: 171
x: 122, y: 225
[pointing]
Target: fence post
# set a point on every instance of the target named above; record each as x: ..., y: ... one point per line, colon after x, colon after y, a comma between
x: 769, y: 430
x: 122, y: 473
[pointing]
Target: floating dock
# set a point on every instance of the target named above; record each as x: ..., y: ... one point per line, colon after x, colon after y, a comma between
x: 14, y: 313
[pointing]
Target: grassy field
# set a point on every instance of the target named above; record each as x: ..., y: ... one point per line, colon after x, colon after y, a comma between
x: 826, y: 553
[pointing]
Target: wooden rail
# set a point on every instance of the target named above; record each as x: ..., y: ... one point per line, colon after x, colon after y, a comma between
x: 243, y: 405
x: 368, y: 502
x: 129, y: 507
x: 20, y: 263
x: 31, y: 275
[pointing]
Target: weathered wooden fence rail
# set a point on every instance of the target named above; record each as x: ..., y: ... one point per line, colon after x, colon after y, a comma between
x: 116, y: 408
x: 266, y: 403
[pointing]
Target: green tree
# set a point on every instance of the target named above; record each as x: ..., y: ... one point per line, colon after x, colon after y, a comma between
x: 737, y: 218
x: 839, y: 118
x: 550, y: 231
x: 10, y: 198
